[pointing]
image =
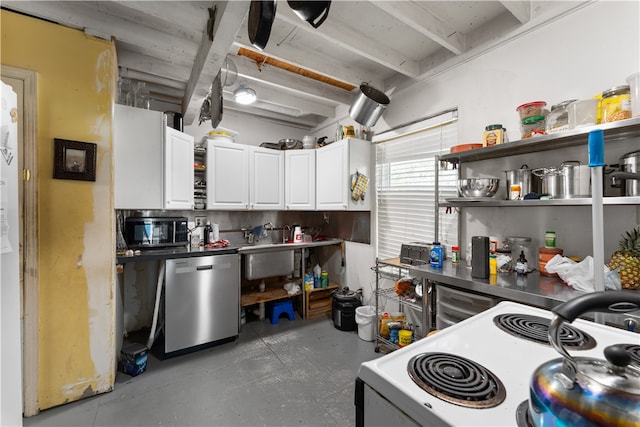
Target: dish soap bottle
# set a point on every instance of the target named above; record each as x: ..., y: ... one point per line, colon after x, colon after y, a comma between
x: 436, y: 255
x: 521, y: 264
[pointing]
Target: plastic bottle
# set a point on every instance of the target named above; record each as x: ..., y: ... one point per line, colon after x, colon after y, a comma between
x: 521, y: 264
x: 208, y: 233
x: 436, y: 255
x: 317, y: 276
x: 455, y: 255
x: 493, y: 264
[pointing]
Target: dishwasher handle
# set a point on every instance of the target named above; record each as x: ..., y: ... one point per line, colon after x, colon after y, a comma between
x: 204, y: 267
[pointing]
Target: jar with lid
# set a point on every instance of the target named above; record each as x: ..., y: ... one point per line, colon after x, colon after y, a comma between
x: 558, y: 118
x: 520, y: 245
x: 493, y: 135
x: 455, y: 255
x: 615, y: 104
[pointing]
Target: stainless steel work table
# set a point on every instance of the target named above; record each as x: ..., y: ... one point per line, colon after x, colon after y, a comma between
x: 532, y: 289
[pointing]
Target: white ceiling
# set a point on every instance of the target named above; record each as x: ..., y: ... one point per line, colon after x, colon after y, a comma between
x: 389, y: 45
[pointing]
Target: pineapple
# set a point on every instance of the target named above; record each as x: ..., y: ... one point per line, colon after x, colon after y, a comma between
x: 627, y: 259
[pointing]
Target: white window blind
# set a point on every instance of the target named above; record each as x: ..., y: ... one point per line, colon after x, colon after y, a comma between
x: 405, y: 184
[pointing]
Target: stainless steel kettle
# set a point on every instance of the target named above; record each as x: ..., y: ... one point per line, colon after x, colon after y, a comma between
x: 585, y: 391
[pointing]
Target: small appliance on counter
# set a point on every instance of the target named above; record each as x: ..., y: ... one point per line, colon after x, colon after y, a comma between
x: 158, y: 232
x: 415, y: 253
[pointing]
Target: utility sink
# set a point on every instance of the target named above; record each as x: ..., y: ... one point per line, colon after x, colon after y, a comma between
x: 270, y: 263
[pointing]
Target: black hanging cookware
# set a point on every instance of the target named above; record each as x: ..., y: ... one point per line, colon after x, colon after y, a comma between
x: 585, y: 391
x: 261, y: 16
x: 314, y: 12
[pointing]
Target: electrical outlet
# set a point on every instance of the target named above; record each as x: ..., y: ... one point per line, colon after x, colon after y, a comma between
x: 201, y: 221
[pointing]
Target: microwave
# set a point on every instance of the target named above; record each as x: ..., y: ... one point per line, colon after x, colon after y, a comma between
x: 156, y: 232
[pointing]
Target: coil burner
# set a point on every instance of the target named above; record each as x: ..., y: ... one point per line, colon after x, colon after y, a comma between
x: 536, y: 329
x: 456, y: 380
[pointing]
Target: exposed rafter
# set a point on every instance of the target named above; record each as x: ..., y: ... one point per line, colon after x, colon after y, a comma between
x: 426, y: 23
x: 520, y: 9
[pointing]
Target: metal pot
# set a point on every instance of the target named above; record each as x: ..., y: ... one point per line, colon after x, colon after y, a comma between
x: 629, y: 174
x: 368, y: 105
x: 525, y: 179
x: 576, y: 179
x: 584, y: 390
x: 570, y: 180
x: 550, y: 181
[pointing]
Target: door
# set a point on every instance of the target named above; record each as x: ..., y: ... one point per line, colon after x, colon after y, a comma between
x: 300, y: 179
x: 227, y: 176
x: 266, y: 170
x: 24, y: 84
x: 178, y: 164
x: 332, y: 170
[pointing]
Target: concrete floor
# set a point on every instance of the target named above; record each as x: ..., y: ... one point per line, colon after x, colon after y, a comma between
x: 293, y: 373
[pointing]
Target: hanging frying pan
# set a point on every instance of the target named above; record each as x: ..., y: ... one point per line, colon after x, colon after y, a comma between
x: 261, y: 16
x: 216, y: 101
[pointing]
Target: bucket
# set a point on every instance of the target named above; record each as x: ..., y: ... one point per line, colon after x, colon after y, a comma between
x: 365, y: 316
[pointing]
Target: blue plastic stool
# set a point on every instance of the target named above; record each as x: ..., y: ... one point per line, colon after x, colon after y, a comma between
x: 278, y: 308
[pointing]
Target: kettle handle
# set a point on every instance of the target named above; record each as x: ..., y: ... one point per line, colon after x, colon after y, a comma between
x: 607, y: 302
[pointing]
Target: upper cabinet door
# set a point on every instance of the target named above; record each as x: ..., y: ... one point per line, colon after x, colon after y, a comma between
x: 332, y: 170
x: 178, y: 166
x: 266, y: 168
x: 138, y: 140
x: 337, y: 166
x: 227, y: 175
x: 300, y: 179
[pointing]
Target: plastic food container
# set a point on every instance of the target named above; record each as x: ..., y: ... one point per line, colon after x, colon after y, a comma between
x: 533, y: 126
x: 634, y: 91
x: 219, y: 137
x: 531, y: 109
x: 558, y: 119
x: 583, y: 112
x: 616, y: 104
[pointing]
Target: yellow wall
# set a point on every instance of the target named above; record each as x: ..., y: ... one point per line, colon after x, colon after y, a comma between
x: 75, y: 85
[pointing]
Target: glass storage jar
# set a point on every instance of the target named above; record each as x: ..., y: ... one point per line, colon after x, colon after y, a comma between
x: 616, y: 104
x: 518, y: 245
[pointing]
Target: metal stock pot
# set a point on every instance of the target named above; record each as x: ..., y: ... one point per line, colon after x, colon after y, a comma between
x: 570, y: 180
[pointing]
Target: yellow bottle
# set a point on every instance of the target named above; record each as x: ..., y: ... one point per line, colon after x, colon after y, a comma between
x: 493, y: 264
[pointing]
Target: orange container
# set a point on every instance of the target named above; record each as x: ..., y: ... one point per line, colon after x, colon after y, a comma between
x: 545, y: 254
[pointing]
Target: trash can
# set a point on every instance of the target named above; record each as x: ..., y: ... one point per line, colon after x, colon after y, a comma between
x: 365, y: 318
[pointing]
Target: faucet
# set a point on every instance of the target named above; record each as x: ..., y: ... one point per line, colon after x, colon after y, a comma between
x: 284, y: 236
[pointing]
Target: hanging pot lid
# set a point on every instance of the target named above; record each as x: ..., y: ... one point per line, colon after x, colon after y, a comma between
x: 261, y: 16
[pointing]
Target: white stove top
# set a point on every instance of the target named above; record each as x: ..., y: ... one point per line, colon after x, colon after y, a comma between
x: 512, y: 359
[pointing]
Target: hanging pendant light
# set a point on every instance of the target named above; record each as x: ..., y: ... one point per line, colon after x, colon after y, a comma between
x: 244, y: 95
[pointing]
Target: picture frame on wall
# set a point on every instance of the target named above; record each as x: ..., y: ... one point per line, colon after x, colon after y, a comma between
x: 74, y: 160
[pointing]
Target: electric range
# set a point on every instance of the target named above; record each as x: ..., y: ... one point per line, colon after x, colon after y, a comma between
x: 484, y: 365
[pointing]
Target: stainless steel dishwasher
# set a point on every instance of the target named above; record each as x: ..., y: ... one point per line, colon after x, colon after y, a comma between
x: 202, y: 300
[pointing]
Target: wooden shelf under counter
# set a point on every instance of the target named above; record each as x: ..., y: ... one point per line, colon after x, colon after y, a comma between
x: 274, y: 291
x: 318, y: 301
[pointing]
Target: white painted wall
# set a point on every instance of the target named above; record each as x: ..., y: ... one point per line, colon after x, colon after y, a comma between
x: 251, y: 130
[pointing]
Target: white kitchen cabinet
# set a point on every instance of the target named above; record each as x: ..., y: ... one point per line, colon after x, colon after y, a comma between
x: 300, y: 179
x: 153, y: 164
x: 227, y: 175
x: 266, y: 174
x: 336, y: 164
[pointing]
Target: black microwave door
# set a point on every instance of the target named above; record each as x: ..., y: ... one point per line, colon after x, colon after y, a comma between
x: 181, y: 232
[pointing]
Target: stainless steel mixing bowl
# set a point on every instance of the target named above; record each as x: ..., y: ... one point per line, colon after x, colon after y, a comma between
x: 478, y: 187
